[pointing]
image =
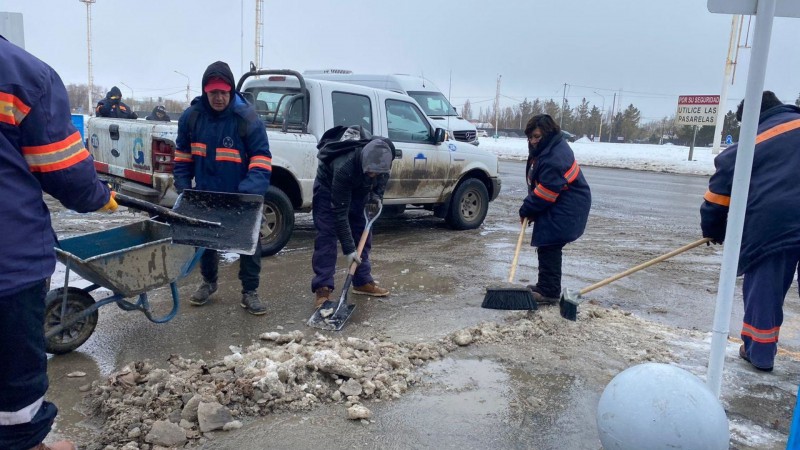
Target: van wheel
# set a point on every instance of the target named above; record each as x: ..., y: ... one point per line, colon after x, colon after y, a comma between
x: 277, y: 223
x: 468, y: 206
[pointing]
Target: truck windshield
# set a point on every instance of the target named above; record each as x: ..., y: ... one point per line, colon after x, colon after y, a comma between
x: 433, y: 103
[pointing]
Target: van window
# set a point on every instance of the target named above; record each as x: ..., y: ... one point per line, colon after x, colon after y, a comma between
x: 433, y: 103
x: 352, y: 109
x: 406, y: 122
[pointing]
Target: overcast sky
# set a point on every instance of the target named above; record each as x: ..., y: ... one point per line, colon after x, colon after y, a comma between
x: 647, y: 52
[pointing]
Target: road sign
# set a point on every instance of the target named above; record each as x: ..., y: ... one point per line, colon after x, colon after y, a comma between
x: 783, y: 8
x: 697, y: 110
x: 728, y: 140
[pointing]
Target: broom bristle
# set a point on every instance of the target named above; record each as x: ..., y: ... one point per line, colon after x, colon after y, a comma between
x: 509, y: 298
x: 568, y: 310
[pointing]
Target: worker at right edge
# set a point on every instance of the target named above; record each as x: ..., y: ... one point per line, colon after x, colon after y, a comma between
x: 770, y: 250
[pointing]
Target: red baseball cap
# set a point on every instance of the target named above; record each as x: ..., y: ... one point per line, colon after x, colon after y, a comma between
x: 217, y: 84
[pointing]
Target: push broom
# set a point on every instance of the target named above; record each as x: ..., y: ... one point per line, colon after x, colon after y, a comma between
x: 568, y: 305
x: 511, y: 296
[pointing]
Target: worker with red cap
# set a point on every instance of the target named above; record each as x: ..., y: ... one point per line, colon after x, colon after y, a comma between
x: 222, y: 146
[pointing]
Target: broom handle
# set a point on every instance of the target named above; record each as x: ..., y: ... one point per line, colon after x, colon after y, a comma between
x: 516, y: 252
x: 644, y: 265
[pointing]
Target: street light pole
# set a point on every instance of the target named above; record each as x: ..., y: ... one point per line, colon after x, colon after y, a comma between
x: 133, y: 101
x: 89, y: 48
x: 602, y: 110
x: 187, y: 85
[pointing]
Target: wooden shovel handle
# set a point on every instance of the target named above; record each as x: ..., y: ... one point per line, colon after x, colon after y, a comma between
x: 516, y: 252
x: 644, y: 265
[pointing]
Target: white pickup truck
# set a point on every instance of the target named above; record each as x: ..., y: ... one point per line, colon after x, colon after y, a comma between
x: 455, y: 180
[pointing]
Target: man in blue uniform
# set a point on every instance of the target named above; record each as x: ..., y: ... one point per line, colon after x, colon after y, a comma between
x: 40, y: 150
x: 112, y: 106
x: 770, y: 249
x: 222, y: 145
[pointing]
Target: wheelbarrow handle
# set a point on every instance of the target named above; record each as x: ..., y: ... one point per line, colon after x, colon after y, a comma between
x: 167, y: 213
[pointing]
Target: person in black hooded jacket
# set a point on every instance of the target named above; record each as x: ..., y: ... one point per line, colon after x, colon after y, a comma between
x: 112, y: 106
x: 159, y: 114
x: 352, y: 174
x: 558, y: 202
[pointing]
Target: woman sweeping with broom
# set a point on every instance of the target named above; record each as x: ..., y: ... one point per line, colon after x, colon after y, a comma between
x: 557, y: 204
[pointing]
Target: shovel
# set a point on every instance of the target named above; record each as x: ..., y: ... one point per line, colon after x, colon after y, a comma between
x: 332, y: 316
x: 168, y: 215
x: 568, y: 305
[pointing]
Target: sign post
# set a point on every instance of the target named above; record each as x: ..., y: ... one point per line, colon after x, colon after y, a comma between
x: 697, y: 110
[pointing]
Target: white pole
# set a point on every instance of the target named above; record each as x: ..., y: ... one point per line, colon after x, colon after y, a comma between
x: 497, y: 107
x: 765, y: 14
x: 726, y: 80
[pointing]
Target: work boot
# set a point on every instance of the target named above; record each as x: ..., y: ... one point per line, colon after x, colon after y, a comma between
x: 323, y: 295
x: 541, y: 299
x: 201, y: 296
x: 60, y: 445
x: 743, y: 355
x: 252, y: 303
x: 371, y: 289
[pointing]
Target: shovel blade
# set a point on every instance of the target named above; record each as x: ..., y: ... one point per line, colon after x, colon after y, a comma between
x: 334, y: 322
x: 239, y: 214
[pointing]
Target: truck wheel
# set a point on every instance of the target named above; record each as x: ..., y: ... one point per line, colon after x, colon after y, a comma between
x: 468, y: 206
x: 277, y: 223
x: 73, y: 337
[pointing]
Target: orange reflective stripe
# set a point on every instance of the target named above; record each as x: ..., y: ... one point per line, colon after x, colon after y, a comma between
x: 228, y: 154
x: 12, y: 109
x: 780, y: 129
x: 544, y: 193
x: 719, y: 199
x: 573, y: 172
x: 182, y: 156
x: 198, y: 148
x: 261, y: 162
x: 762, y: 336
x: 56, y: 156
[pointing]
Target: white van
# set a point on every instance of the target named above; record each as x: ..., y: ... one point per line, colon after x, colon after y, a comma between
x: 426, y: 94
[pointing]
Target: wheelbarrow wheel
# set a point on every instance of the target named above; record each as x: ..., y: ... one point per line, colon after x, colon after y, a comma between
x: 73, y: 337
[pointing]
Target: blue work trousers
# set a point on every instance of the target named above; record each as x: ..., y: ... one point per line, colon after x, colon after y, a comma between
x: 249, y: 268
x: 326, y: 241
x: 765, y: 286
x: 23, y: 369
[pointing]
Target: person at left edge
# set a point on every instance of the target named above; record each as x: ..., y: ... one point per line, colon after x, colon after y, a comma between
x: 222, y: 145
x: 40, y: 150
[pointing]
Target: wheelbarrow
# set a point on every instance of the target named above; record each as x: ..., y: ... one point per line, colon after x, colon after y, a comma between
x: 134, y: 259
x: 128, y: 260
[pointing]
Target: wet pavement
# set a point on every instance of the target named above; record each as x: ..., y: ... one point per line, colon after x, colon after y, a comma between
x: 502, y: 396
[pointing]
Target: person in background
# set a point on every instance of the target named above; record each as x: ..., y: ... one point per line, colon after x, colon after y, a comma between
x: 159, y: 114
x: 557, y: 204
x: 40, y: 150
x: 352, y: 174
x: 222, y: 145
x: 769, y: 256
x: 112, y: 106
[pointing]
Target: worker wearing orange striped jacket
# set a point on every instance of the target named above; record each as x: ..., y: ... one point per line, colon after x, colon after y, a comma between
x: 558, y: 202
x: 40, y: 150
x: 770, y: 249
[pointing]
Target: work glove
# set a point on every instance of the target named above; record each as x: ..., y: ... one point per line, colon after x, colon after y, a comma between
x: 111, y: 206
x: 353, y: 258
x: 373, y: 205
x: 714, y: 241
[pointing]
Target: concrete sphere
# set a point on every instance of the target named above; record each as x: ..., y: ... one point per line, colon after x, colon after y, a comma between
x: 658, y: 406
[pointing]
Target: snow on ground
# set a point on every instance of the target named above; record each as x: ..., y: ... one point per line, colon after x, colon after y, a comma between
x: 658, y: 158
